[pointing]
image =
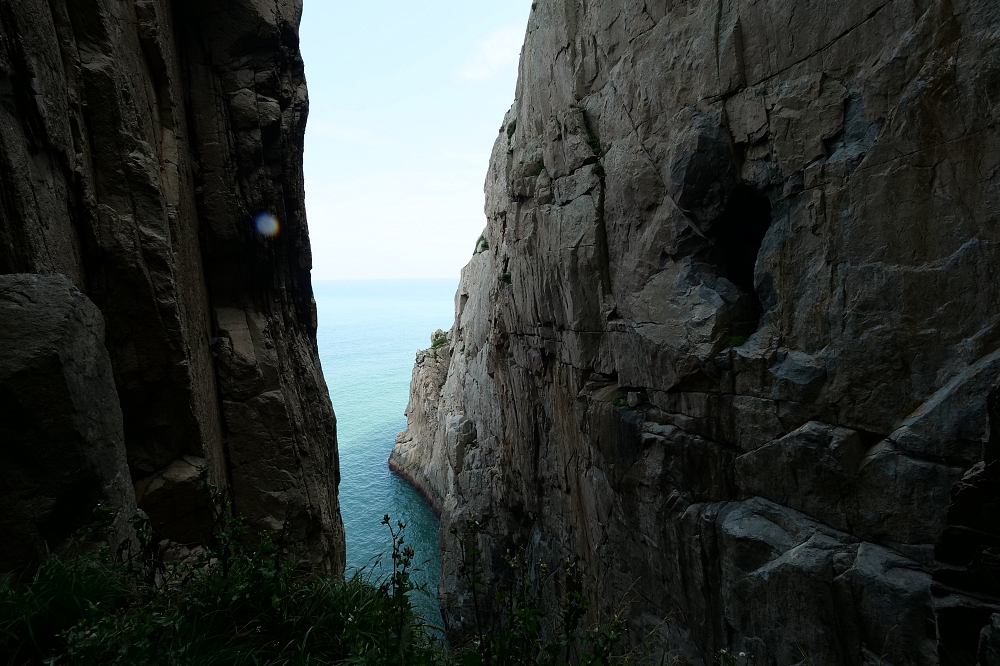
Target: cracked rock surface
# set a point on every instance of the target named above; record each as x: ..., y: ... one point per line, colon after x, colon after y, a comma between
x: 732, y: 337
x: 138, y: 141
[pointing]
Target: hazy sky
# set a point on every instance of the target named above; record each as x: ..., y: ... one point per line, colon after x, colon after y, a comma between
x: 406, y: 100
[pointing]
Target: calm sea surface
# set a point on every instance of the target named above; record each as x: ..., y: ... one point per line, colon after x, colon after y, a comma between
x: 369, y: 332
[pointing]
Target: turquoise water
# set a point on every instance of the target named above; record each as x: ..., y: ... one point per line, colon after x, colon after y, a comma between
x: 369, y: 332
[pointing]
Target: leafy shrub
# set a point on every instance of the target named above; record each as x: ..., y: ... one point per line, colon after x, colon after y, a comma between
x: 244, y: 602
x: 511, y: 630
x: 238, y: 603
x: 439, y: 339
x: 505, y: 278
x: 535, y: 170
x: 736, y: 341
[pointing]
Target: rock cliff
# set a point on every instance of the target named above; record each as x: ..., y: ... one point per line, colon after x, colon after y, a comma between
x: 732, y: 337
x: 139, y: 140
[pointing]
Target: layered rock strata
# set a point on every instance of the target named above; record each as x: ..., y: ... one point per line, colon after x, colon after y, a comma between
x: 732, y: 339
x: 138, y: 141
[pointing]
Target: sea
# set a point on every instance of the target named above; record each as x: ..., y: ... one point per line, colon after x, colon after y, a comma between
x: 369, y: 333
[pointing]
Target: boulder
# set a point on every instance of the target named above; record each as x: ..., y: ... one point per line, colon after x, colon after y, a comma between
x: 62, y: 451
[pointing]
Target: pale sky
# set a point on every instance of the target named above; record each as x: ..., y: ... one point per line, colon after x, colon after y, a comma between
x: 406, y: 100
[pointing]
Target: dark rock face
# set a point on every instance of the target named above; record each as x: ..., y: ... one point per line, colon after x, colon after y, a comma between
x: 61, y: 444
x: 733, y: 344
x: 138, y: 141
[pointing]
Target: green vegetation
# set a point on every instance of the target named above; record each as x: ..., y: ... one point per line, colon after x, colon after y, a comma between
x: 736, y: 341
x: 237, y: 603
x: 509, y: 627
x: 244, y: 601
x: 622, y: 400
x: 505, y: 278
x: 727, y: 658
x: 439, y: 339
x: 595, y: 145
x: 481, y: 245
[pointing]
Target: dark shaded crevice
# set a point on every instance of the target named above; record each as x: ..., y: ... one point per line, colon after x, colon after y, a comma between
x: 958, y: 634
x: 991, y: 451
x: 739, y: 233
x: 968, y: 553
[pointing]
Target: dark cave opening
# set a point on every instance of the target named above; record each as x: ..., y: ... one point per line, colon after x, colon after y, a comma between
x: 969, y: 550
x: 739, y: 232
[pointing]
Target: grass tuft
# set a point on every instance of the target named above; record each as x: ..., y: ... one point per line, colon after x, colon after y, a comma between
x: 736, y: 341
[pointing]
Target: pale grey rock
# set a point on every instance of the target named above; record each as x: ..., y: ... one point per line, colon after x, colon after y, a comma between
x: 431, y: 468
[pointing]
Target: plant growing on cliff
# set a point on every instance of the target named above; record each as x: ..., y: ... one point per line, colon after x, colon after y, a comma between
x: 736, y: 341
x: 513, y: 631
x: 247, y: 602
x: 398, y: 588
x: 727, y: 658
x: 439, y: 339
x: 511, y: 128
x: 595, y: 145
x: 240, y: 602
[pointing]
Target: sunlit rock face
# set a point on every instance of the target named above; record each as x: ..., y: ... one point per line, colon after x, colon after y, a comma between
x: 151, y: 151
x: 732, y: 340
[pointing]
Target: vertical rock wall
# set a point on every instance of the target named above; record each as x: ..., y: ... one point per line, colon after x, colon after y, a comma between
x: 138, y: 141
x: 733, y: 338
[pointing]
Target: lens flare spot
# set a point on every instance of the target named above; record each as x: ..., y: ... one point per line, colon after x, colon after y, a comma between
x: 267, y: 225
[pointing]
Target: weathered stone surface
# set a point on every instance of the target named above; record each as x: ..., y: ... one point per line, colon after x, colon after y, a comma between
x: 420, y: 455
x: 812, y: 470
x: 739, y: 250
x: 138, y: 141
x: 62, y: 451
